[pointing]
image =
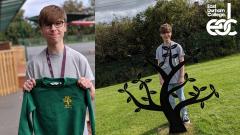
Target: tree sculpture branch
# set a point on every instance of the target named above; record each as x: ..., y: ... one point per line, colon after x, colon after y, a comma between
x: 176, y: 68
x: 173, y: 115
x: 170, y: 58
x: 181, y: 85
x: 177, y: 87
x: 158, y: 68
x: 195, y: 99
x: 143, y: 84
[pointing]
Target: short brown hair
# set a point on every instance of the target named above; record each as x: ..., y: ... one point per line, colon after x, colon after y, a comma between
x: 50, y: 14
x: 165, y: 28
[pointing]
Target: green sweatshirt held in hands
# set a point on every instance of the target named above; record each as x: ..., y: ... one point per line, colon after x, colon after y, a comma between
x: 55, y: 107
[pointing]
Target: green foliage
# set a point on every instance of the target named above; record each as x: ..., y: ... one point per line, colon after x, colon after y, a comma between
x: 127, y: 36
x: 114, y: 41
x: 73, y: 6
x: 18, y: 28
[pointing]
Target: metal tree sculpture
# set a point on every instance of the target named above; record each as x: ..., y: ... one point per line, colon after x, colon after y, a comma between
x: 172, y: 114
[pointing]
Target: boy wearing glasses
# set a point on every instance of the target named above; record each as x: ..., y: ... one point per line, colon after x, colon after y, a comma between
x: 178, y: 78
x: 49, y: 63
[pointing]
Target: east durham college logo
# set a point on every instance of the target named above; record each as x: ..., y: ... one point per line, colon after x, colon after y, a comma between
x: 214, y: 25
x: 67, y: 102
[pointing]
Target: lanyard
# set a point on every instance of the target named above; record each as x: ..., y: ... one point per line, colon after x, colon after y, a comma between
x: 63, y: 63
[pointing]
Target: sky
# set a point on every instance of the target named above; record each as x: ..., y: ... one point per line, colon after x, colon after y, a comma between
x: 106, y: 10
x: 33, y: 7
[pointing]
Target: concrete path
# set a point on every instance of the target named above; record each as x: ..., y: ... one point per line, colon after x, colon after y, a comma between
x: 10, y: 107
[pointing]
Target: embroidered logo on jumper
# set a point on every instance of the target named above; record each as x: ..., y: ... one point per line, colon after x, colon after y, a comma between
x: 67, y: 102
x: 55, y: 83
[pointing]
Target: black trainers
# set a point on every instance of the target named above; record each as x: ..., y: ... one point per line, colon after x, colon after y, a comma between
x: 185, y: 119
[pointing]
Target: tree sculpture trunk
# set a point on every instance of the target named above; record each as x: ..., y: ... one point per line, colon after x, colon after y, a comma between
x: 175, y: 122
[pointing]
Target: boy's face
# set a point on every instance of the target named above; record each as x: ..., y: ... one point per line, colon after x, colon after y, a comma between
x: 166, y: 36
x: 54, y: 33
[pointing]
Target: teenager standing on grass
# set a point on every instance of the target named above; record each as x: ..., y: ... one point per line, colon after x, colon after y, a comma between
x: 49, y: 63
x: 178, y: 78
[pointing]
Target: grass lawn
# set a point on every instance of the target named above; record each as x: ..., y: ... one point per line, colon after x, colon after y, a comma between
x: 114, y: 116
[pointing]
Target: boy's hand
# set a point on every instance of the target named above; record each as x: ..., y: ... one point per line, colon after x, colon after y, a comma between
x: 89, y: 128
x: 87, y: 84
x: 29, y: 84
x: 181, y: 80
x: 161, y: 81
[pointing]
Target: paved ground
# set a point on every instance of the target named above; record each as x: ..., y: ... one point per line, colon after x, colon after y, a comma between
x: 10, y: 105
x: 9, y: 113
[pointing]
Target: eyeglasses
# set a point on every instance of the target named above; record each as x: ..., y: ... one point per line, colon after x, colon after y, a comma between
x: 57, y: 24
x: 165, y: 32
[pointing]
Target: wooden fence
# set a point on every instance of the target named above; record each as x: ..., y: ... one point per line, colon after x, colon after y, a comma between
x: 8, y: 72
x: 19, y: 53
